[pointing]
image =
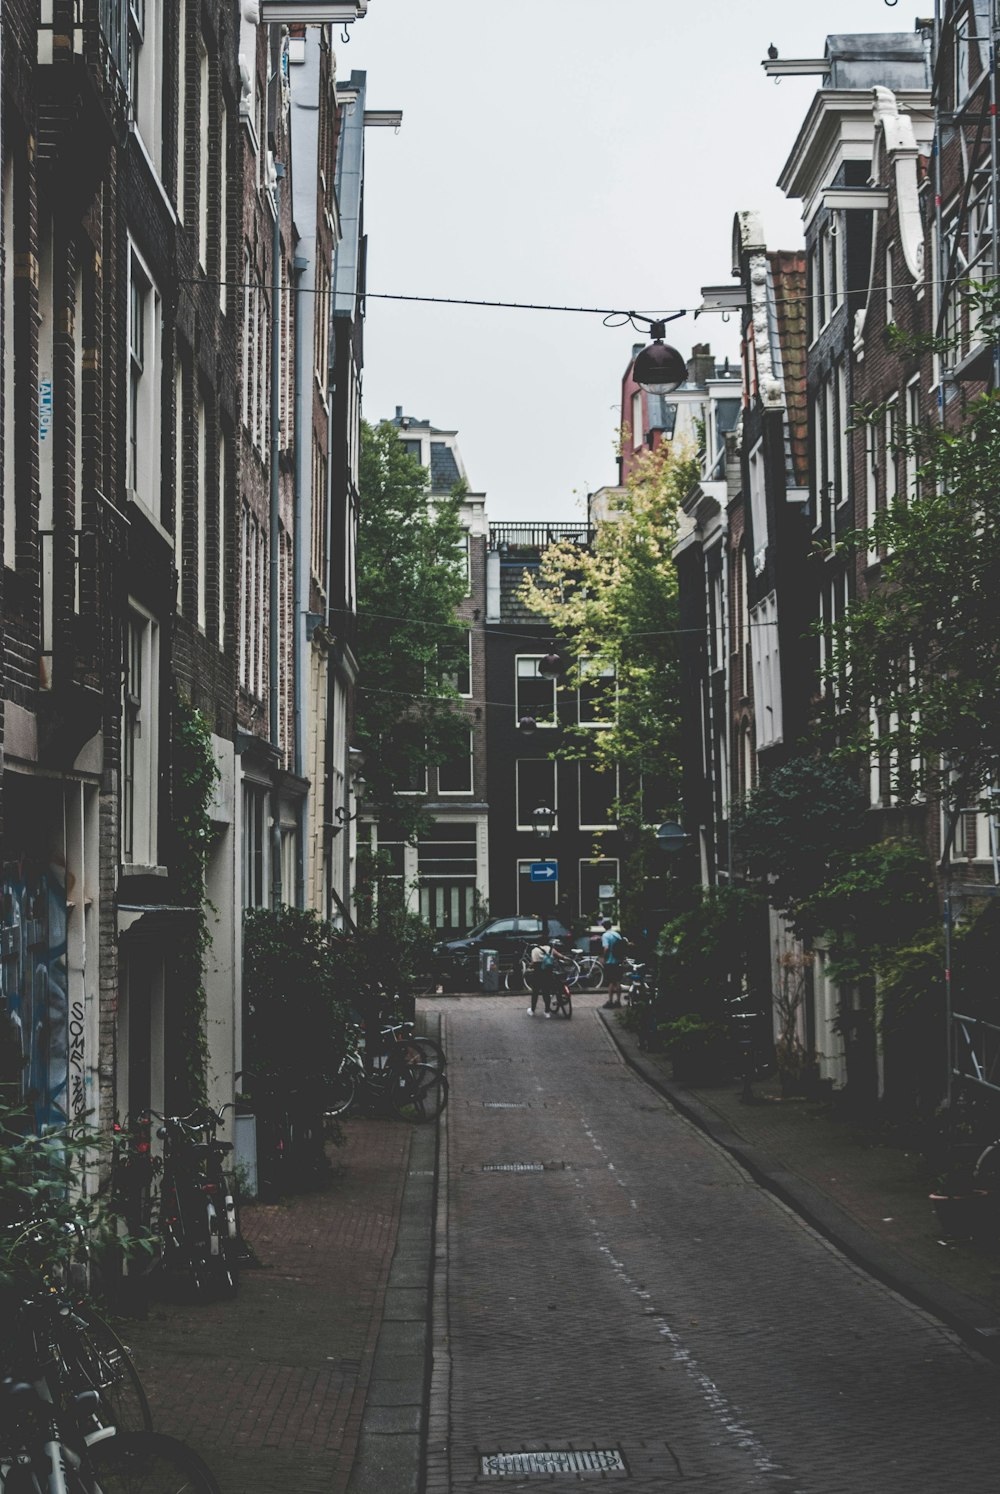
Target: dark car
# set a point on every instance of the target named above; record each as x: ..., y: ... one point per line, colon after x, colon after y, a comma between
x: 508, y: 936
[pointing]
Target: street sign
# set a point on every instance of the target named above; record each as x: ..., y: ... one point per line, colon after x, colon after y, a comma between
x: 544, y: 871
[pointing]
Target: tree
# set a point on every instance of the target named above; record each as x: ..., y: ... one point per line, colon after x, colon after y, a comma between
x: 916, y: 663
x: 410, y: 640
x: 616, y: 604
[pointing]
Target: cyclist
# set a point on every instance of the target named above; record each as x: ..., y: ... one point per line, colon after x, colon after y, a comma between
x: 613, y: 944
x: 544, y: 974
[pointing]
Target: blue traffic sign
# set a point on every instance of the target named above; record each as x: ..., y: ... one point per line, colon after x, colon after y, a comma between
x: 544, y: 871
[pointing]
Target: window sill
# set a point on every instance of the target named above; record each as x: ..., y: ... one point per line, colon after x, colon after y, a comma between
x: 128, y: 869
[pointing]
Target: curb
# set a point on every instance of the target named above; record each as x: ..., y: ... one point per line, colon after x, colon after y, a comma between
x: 393, y: 1438
x: 964, y: 1315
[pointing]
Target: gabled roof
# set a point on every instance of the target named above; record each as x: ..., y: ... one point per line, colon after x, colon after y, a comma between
x: 788, y: 297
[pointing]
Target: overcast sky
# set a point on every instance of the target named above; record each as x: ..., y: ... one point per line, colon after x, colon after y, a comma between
x: 579, y: 152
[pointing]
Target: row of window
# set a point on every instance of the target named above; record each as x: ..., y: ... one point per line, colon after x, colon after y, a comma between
x: 536, y: 782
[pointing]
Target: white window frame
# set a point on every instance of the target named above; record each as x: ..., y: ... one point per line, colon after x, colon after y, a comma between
x: 637, y: 431
x: 201, y: 512
x: 140, y: 738
x: 871, y: 482
x: 605, y: 861
x: 553, y: 802
x: 255, y: 818
x: 758, y: 505
x: 520, y: 711
x: 9, y: 490
x: 204, y: 143
x: 912, y: 418
x: 843, y: 423
x: 766, y: 657
x: 144, y: 385
x: 611, y: 824
x: 146, y: 56
x: 461, y: 793
x: 606, y: 669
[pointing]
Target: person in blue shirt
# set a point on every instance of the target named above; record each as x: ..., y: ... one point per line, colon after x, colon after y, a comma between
x: 613, y: 947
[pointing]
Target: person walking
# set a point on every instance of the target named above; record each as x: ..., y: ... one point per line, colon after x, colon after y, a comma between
x: 543, y: 975
x: 613, y: 944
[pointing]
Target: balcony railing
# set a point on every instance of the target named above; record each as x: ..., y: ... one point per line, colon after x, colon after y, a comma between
x: 533, y: 538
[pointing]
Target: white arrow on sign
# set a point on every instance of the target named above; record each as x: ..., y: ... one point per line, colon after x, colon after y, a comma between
x: 544, y: 872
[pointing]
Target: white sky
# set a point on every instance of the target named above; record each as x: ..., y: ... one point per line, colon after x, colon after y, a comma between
x: 579, y: 152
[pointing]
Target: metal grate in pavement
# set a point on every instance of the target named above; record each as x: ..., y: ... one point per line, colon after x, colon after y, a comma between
x: 513, y: 1167
x: 505, y: 1105
x: 598, y: 1460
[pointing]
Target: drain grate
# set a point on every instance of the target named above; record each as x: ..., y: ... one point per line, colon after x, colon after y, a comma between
x: 505, y: 1104
x: 600, y: 1460
x: 513, y: 1167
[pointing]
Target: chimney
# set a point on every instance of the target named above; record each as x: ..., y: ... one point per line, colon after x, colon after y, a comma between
x: 701, y: 366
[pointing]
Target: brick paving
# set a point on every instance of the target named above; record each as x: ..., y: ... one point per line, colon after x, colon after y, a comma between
x: 828, y: 1164
x: 271, y: 1387
x: 633, y: 1287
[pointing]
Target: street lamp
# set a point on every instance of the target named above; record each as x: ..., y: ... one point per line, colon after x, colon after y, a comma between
x: 543, y: 818
x: 527, y: 726
x: 550, y: 666
x: 659, y: 368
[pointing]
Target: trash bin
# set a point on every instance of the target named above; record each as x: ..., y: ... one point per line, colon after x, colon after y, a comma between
x: 489, y: 970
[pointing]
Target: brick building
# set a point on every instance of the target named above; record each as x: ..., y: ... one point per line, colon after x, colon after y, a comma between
x: 161, y: 484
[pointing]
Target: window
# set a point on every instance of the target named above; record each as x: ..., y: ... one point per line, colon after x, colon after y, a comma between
x: 535, y: 784
x: 415, y: 781
x: 597, y: 692
x: 179, y: 452
x: 663, y: 414
x: 871, y: 484
x: 220, y: 455
x: 535, y: 694
x: 539, y: 898
x: 447, y: 863
x: 204, y: 123
x: 598, y: 889
x: 598, y: 788
x: 758, y: 506
x: 912, y: 429
x: 201, y: 520
x: 890, y: 437
x: 890, y: 299
x: 766, y: 671
x: 464, y: 562
x: 222, y: 168
x: 254, y: 845
x: 144, y: 353
x: 145, y: 66
x: 455, y: 775
x: 182, y: 57
x: 461, y: 677
x: 962, y: 57
x: 843, y: 421
x: 11, y: 334
x: 638, y: 435
x: 139, y: 739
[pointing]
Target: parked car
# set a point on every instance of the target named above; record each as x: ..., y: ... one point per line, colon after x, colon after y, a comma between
x: 459, y: 958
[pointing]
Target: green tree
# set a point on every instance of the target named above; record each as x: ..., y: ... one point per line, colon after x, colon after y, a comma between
x: 616, y: 603
x: 916, y: 663
x: 410, y: 641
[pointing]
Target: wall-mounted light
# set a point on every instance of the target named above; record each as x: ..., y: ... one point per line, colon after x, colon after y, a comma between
x: 543, y: 818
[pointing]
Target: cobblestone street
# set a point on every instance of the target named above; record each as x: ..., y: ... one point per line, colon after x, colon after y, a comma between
x: 614, y: 1280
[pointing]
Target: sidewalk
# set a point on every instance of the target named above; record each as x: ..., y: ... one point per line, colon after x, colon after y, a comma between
x: 869, y: 1200
x: 271, y: 1388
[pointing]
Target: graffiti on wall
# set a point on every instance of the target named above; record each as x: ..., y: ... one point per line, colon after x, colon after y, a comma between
x: 46, y: 1037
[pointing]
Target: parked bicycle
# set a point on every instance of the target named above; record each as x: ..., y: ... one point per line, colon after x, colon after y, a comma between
x: 198, y: 1224
x: 395, y: 1081
x: 57, y: 1432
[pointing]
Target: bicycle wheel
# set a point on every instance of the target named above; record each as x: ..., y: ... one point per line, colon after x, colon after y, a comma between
x: 339, y: 1094
x: 93, y: 1357
x: 593, y: 975
x: 571, y: 973
x: 420, y: 1094
x: 423, y: 1050
x: 146, y: 1463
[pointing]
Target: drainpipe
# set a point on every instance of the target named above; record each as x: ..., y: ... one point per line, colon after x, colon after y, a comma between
x: 274, y: 719
x: 300, y: 581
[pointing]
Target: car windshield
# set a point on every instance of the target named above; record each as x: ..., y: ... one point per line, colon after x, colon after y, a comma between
x: 479, y: 928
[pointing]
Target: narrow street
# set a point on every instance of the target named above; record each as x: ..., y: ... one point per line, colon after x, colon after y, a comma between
x: 614, y: 1282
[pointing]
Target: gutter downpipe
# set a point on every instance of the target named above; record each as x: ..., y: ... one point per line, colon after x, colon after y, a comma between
x: 274, y: 713
x: 300, y: 581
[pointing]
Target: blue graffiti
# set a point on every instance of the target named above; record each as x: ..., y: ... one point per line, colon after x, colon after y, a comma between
x: 33, y: 984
